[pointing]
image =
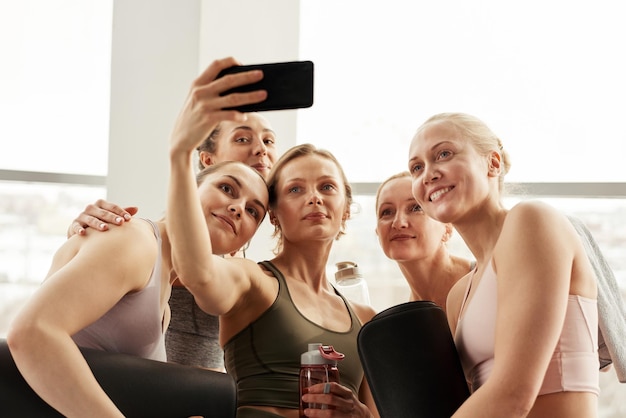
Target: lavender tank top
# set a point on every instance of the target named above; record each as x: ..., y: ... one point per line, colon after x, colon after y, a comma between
x: 135, y: 324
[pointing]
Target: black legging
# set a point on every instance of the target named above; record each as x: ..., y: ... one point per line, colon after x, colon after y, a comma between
x: 139, y: 387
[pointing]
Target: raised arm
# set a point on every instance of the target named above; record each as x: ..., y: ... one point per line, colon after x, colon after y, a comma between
x: 191, y: 243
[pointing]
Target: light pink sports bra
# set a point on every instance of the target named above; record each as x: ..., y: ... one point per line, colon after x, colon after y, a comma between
x: 574, y: 365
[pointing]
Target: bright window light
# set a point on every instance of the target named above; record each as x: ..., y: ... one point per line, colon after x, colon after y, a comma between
x: 54, y: 85
x: 547, y: 77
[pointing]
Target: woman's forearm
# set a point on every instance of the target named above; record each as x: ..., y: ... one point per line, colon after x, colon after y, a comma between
x: 186, y: 226
x: 56, y: 370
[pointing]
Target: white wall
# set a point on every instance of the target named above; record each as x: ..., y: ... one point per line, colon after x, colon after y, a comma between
x: 158, y: 48
x: 255, y: 32
x: 154, y: 59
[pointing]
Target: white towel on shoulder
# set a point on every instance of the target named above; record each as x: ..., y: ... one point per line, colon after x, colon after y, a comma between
x: 611, y: 306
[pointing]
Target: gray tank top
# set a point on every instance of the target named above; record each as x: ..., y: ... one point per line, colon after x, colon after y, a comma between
x: 135, y: 324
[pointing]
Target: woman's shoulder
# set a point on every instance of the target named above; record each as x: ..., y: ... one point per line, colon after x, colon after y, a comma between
x: 531, y: 215
x: 363, y: 311
x: 255, y: 272
x: 534, y: 229
x: 533, y: 207
x: 131, y: 248
x: 132, y: 239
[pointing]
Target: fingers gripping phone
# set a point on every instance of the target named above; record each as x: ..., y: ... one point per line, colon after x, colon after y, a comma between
x: 289, y: 85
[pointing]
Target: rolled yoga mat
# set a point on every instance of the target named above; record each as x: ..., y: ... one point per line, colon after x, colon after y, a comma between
x: 138, y: 386
x: 411, y: 362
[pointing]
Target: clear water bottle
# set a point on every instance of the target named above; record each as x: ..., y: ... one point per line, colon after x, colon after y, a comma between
x: 351, y: 283
x: 317, y: 365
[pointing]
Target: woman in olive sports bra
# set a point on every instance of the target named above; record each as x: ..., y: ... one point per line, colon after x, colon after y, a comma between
x: 531, y: 274
x: 309, y: 205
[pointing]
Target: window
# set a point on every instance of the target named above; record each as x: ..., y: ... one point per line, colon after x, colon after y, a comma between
x: 55, y: 105
x: 543, y: 75
x: 54, y: 83
x: 553, y: 94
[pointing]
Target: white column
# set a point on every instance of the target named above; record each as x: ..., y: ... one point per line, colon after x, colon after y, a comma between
x: 154, y: 60
x: 159, y: 47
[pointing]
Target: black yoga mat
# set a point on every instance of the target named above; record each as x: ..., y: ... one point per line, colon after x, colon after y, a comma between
x: 139, y: 387
x: 411, y: 362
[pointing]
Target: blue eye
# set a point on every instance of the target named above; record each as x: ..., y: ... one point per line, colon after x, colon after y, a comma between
x: 416, y: 208
x: 416, y: 168
x: 444, y: 154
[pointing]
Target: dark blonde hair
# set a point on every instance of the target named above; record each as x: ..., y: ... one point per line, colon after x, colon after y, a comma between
x: 395, y: 176
x: 209, y: 144
x: 482, y: 137
x: 303, y: 150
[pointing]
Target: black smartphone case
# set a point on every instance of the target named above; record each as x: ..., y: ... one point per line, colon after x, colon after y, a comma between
x: 289, y: 85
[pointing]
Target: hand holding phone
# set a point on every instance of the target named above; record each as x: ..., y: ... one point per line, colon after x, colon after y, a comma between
x: 289, y: 85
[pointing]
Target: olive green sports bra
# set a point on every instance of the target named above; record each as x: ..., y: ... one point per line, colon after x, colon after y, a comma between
x: 264, y: 358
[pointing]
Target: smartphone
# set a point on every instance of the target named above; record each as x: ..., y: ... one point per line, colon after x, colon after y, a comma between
x: 289, y: 85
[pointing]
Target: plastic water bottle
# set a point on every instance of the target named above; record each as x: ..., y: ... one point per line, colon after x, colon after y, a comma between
x: 317, y: 365
x: 351, y: 283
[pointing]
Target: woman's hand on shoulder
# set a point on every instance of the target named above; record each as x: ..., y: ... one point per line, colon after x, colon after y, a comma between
x: 99, y: 216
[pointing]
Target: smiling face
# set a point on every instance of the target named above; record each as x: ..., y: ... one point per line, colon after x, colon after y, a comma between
x: 449, y: 177
x: 234, y: 201
x: 404, y: 231
x: 310, y: 199
x: 252, y: 142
